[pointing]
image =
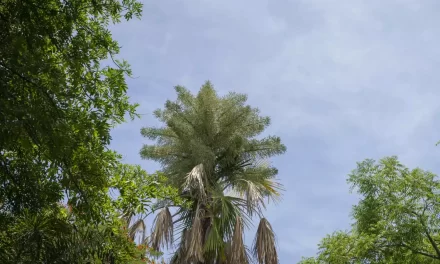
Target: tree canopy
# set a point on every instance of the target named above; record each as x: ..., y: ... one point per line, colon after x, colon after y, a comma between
x: 396, y: 220
x: 57, y: 106
x: 57, y: 102
x: 211, y: 149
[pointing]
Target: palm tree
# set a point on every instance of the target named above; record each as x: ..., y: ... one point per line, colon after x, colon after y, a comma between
x: 209, y: 149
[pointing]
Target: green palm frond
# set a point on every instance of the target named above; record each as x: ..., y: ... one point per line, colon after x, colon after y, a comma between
x: 214, y: 244
x: 226, y: 208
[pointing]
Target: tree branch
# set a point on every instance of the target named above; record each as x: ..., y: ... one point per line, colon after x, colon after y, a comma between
x: 426, y: 229
x: 414, y: 250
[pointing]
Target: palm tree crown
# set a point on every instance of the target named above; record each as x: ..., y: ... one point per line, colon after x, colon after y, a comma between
x: 209, y: 149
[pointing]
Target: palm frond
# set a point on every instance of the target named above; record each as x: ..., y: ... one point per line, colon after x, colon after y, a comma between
x: 272, y: 190
x: 225, y: 211
x: 195, y: 180
x: 254, y: 197
x: 163, y: 230
x: 213, y: 244
x: 238, y: 250
x: 194, y: 242
x: 255, y: 184
x: 262, y: 162
x: 179, y: 256
x: 183, y: 222
x: 139, y: 225
x: 264, y: 248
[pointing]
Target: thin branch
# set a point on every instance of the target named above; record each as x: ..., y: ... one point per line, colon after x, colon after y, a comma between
x: 426, y: 230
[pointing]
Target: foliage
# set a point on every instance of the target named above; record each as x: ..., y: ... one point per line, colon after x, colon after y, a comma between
x: 57, y: 106
x: 58, y: 103
x: 210, y: 150
x: 396, y: 221
x: 61, y: 235
x: 48, y: 237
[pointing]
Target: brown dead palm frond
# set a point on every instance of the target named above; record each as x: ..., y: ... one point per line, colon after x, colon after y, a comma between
x: 139, y: 225
x: 194, y: 243
x: 163, y: 230
x: 195, y: 180
x: 264, y: 248
x: 238, y: 249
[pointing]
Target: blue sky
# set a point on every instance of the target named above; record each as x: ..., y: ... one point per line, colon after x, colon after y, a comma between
x: 342, y: 81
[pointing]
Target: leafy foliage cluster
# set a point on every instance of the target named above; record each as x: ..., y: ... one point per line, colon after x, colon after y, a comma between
x: 57, y: 106
x: 396, y: 221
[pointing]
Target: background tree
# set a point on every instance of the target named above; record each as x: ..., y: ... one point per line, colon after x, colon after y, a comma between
x: 209, y: 148
x: 57, y: 106
x: 396, y: 221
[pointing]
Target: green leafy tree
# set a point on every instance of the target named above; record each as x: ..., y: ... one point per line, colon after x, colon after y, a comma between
x: 57, y: 106
x: 396, y: 221
x: 210, y: 150
x: 58, y: 103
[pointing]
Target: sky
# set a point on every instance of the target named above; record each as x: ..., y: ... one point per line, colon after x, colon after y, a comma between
x: 341, y: 80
